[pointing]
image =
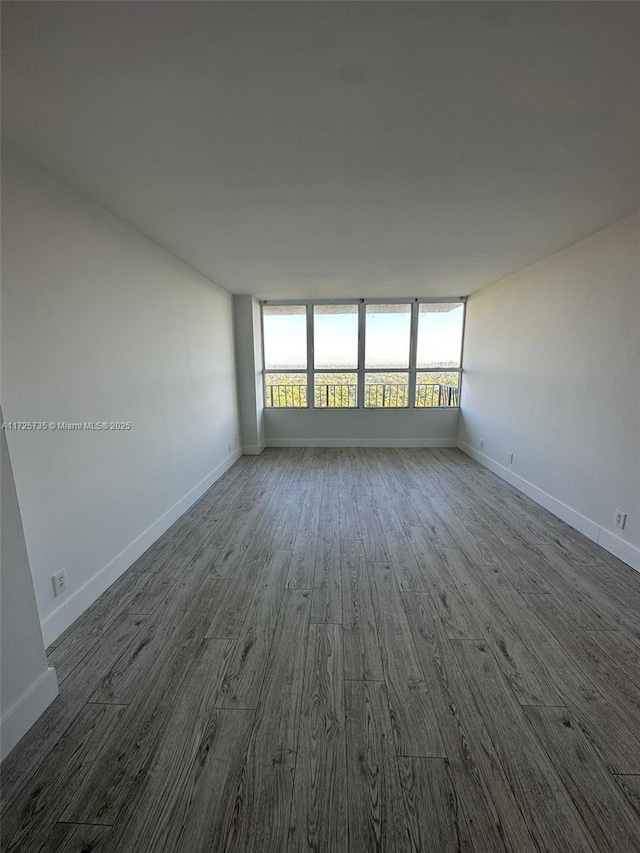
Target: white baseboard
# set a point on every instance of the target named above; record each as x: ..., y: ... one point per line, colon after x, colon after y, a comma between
x: 253, y: 449
x: 19, y: 718
x: 200, y: 488
x: 75, y: 605
x: 361, y: 442
x: 621, y: 549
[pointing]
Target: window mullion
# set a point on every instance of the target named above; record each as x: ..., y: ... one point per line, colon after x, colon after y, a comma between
x: 310, y: 364
x: 413, y: 349
x: 361, y: 350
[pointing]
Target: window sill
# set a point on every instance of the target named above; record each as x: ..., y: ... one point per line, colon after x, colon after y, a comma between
x: 357, y: 409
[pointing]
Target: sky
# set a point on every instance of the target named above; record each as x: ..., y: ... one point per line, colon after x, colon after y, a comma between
x: 386, y: 339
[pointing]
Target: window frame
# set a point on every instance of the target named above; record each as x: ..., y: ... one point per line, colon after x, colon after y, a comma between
x: 361, y: 370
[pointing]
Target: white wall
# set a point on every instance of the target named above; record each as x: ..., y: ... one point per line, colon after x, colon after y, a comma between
x: 248, y: 339
x: 552, y: 374
x: 27, y: 684
x: 100, y: 324
x: 359, y: 428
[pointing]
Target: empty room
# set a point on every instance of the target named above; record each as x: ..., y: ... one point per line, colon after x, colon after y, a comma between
x: 320, y: 427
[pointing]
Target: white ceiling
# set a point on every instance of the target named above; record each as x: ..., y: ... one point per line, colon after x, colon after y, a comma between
x: 336, y: 149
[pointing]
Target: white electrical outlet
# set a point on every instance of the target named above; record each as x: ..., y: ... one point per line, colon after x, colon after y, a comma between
x: 481, y: 443
x: 620, y: 519
x: 59, y: 582
x: 510, y: 458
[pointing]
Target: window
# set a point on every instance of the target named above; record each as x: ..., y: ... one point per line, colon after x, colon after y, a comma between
x: 335, y: 356
x: 366, y: 354
x: 387, y: 349
x: 439, y: 349
x: 335, y: 337
x: 387, y: 335
x: 335, y: 390
x: 437, y: 389
x: 285, y: 356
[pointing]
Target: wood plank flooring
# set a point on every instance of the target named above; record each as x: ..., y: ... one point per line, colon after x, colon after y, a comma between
x: 345, y: 651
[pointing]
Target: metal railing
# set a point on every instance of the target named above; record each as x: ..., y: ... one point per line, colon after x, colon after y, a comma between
x: 335, y: 396
x: 386, y: 395
x: 286, y: 396
x: 382, y: 395
x: 436, y: 396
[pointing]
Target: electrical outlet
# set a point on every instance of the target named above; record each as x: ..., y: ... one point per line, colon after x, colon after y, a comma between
x: 620, y: 519
x: 481, y: 443
x: 59, y: 582
x: 510, y: 458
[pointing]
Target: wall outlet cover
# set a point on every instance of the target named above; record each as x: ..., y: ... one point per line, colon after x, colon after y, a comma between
x: 620, y: 519
x: 59, y: 582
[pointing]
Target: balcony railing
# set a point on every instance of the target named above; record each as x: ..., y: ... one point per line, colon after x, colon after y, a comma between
x: 376, y: 396
x: 436, y: 396
x: 335, y: 396
x: 286, y: 396
x: 386, y: 395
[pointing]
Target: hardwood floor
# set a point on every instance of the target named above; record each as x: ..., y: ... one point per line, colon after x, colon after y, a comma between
x: 344, y: 650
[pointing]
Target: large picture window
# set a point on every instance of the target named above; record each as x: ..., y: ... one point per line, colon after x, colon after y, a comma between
x: 335, y: 356
x: 387, y: 353
x: 438, y: 354
x: 284, y: 333
x: 366, y: 354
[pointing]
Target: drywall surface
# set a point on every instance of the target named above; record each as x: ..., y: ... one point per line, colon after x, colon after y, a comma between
x: 248, y: 340
x: 27, y: 684
x: 361, y: 428
x: 99, y: 324
x: 552, y: 374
